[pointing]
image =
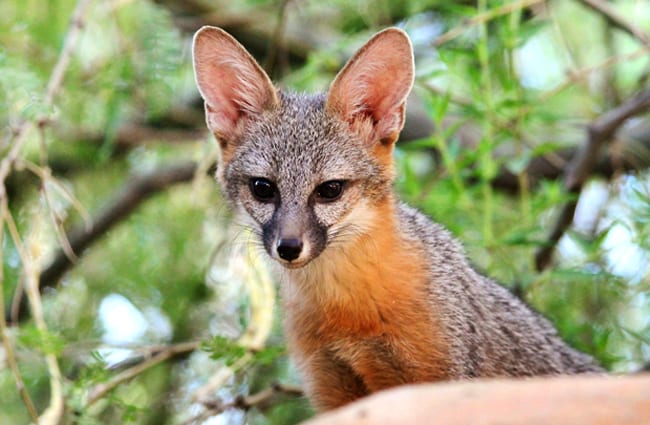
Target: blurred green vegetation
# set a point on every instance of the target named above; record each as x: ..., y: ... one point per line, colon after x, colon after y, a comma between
x: 510, y: 90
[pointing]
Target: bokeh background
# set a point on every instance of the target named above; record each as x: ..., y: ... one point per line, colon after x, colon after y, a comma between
x: 130, y: 294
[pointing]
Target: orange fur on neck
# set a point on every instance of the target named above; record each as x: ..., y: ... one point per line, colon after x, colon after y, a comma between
x: 372, y: 289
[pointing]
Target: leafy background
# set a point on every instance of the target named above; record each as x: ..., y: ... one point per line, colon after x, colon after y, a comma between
x: 161, y: 314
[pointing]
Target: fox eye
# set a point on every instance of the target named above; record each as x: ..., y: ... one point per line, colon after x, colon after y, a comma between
x: 263, y: 190
x: 329, y: 191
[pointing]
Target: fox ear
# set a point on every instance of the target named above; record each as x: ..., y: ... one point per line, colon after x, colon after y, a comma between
x: 370, y: 91
x: 232, y: 84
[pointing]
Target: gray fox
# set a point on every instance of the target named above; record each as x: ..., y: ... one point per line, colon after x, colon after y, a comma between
x: 375, y: 294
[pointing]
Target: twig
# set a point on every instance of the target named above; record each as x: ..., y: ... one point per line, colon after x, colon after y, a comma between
x: 69, y: 44
x: 219, y: 379
x: 247, y: 402
x: 617, y: 20
x: 53, y: 86
x: 276, y: 43
x: 601, y: 131
x: 169, y: 352
x: 57, y: 223
x: 134, y: 134
x: 574, y: 76
x: 261, y: 301
x: 28, y: 252
x: 457, y: 99
x: 45, y: 174
x: 580, y: 169
x: 482, y: 18
x: 54, y: 412
x: 9, y: 350
x: 129, y: 197
x: 19, y: 135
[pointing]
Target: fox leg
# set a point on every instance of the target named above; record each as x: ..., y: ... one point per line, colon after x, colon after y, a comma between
x: 331, y: 382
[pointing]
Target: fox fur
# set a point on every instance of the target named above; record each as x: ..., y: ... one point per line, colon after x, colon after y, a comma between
x: 375, y: 294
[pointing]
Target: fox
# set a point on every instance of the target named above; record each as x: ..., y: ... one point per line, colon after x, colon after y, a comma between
x: 375, y: 294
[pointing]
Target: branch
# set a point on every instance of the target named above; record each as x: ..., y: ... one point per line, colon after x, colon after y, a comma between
x: 53, y: 86
x: 247, y: 402
x: 482, y: 18
x: 252, y: 28
x: 634, y: 139
x: 131, y: 135
x: 581, y: 167
x: 18, y: 138
x: 276, y: 44
x: 10, y: 356
x: 129, y: 197
x: 261, y: 397
x: 99, y: 391
x: 617, y: 20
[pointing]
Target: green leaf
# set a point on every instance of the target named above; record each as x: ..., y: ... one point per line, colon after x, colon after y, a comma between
x: 222, y: 348
x: 46, y: 342
x: 268, y: 355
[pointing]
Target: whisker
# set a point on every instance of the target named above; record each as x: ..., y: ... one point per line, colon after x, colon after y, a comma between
x: 344, y: 234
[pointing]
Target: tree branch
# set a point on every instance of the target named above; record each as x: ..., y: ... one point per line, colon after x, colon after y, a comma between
x: 617, y: 20
x: 131, y: 135
x: 128, y: 198
x: 276, y: 44
x: 10, y: 356
x: 482, y: 18
x: 160, y: 356
x: 246, y: 402
x: 18, y: 138
x: 581, y: 167
x: 53, y: 86
x: 633, y: 139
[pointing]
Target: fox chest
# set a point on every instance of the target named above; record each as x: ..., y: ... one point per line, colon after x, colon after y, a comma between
x: 383, y: 347
x: 379, y: 361
x: 380, y: 324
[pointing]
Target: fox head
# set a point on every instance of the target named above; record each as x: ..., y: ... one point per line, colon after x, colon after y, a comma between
x: 308, y: 170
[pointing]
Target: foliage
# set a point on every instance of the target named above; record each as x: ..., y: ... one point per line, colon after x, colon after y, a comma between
x: 176, y: 286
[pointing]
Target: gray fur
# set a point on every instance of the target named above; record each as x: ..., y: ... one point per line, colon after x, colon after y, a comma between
x: 492, y: 332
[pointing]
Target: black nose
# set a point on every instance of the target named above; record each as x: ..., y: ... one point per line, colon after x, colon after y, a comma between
x: 289, y: 249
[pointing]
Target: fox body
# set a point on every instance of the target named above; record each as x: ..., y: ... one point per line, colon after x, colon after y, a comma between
x: 375, y: 294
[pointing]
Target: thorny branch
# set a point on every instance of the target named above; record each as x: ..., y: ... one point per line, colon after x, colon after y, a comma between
x: 599, y: 132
